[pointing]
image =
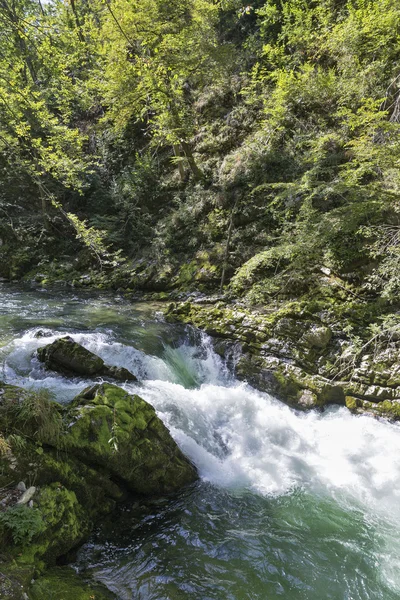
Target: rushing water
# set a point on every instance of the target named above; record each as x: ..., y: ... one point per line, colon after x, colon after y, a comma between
x: 301, y: 506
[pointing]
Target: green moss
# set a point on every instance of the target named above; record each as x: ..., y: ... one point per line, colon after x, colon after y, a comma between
x: 352, y: 403
x: 122, y: 433
x: 14, y: 580
x: 105, y: 433
x: 61, y: 583
x: 389, y: 409
x: 66, y: 522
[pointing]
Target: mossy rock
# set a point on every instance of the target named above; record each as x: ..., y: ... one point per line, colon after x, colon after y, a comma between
x: 67, y: 522
x: 387, y: 409
x: 105, y: 443
x: 27, y: 461
x: 274, y: 378
x: 68, y: 357
x: 111, y: 429
x: 318, y: 337
x: 29, y: 545
x: 14, y: 580
x: 62, y: 583
x: 353, y: 403
x: 332, y: 394
x: 61, y: 523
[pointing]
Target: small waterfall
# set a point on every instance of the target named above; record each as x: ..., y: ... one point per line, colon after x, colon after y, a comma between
x: 332, y: 479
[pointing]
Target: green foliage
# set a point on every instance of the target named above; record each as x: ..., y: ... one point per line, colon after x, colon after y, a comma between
x: 138, y: 129
x: 155, y: 53
x: 23, y: 523
x: 4, y: 446
x: 37, y: 415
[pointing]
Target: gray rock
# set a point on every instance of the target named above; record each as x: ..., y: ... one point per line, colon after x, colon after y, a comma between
x: 308, y: 399
x: 65, y: 355
x: 118, y: 373
x: 28, y: 495
x: 318, y: 337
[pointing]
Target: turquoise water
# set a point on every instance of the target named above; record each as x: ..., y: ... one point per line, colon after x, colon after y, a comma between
x: 301, y: 506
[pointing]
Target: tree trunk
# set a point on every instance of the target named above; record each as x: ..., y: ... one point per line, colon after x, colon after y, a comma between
x: 197, y: 172
x: 180, y: 165
x: 226, y: 253
x: 77, y: 21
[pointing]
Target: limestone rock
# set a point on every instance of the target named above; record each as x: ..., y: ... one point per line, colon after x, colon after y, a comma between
x: 318, y: 337
x: 27, y: 495
x: 308, y: 399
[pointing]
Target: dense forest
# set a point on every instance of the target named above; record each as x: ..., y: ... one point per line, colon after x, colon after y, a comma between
x: 196, y: 144
x: 199, y: 281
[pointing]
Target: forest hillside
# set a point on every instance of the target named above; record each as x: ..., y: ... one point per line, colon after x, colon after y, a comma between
x: 206, y: 145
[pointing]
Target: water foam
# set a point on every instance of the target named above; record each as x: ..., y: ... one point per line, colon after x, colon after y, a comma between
x: 237, y: 436
x: 272, y: 449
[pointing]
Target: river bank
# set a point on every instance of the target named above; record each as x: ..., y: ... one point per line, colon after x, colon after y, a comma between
x: 305, y: 359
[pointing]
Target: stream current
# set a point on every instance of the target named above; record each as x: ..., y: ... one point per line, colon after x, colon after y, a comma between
x: 301, y: 506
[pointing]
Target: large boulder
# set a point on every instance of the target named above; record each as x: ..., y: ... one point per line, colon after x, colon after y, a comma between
x: 122, y: 433
x: 82, y: 459
x: 68, y: 357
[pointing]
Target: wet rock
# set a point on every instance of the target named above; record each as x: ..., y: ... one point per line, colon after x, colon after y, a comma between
x: 294, y: 355
x: 122, y: 433
x: 308, y: 399
x: 332, y: 394
x: 68, y: 357
x: 41, y: 333
x: 389, y: 409
x: 83, y: 459
x: 117, y: 373
x: 353, y: 403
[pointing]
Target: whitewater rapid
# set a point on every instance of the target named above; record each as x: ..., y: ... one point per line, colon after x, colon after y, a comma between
x: 243, y: 440
x: 238, y: 437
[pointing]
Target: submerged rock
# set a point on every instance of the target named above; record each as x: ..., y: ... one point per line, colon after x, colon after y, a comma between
x: 68, y: 357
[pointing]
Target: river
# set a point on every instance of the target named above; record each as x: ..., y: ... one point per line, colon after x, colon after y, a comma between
x: 301, y: 506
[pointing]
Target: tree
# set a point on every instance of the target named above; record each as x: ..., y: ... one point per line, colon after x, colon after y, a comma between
x: 44, y: 94
x: 155, y: 53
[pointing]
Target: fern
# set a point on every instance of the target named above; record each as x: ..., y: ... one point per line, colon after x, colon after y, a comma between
x: 23, y: 523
